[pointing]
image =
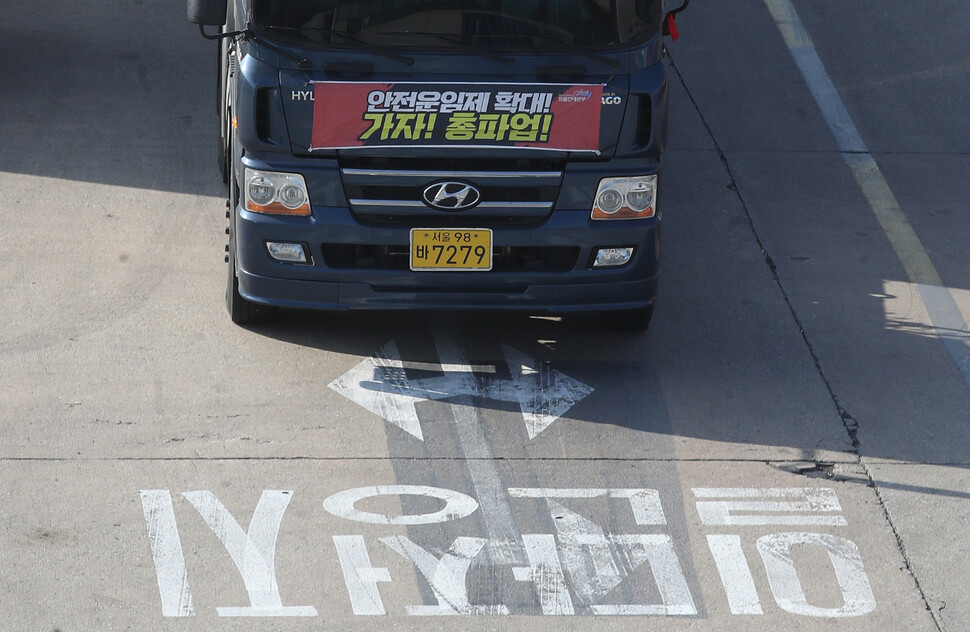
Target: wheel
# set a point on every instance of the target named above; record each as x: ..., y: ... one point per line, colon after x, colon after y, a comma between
x: 634, y: 320
x: 241, y: 310
x: 223, y: 159
x: 225, y: 121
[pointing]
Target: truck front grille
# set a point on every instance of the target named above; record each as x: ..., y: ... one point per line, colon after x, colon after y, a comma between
x: 517, y: 192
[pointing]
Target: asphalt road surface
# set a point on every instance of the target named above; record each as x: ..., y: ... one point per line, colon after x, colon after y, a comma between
x: 785, y: 449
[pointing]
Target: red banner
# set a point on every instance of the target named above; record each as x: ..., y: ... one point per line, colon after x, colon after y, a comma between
x: 563, y: 117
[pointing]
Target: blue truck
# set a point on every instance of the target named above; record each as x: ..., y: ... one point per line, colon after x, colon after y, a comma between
x: 441, y: 154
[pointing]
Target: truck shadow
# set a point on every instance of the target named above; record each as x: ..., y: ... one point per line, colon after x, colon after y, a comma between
x: 654, y: 398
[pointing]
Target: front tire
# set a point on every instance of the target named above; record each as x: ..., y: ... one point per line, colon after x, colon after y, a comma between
x: 241, y: 310
x: 224, y: 106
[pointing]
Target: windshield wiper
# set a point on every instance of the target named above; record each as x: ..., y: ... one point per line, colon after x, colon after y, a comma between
x: 471, y: 47
x: 247, y: 34
x: 373, y: 48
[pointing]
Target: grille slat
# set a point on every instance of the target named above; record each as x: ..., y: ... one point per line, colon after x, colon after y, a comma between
x: 384, y: 192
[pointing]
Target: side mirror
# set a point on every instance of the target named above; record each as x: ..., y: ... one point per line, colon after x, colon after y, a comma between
x: 207, y: 12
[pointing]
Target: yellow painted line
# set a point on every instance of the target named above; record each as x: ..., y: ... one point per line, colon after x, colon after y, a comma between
x: 944, y: 313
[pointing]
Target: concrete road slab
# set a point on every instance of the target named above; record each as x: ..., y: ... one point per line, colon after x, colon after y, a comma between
x: 758, y: 104
x: 902, y: 102
x: 929, y: 506
x: 861, y: 314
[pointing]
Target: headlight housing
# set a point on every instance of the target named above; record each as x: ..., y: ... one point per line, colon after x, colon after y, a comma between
x: 276, y: 193
x: 626, y: 198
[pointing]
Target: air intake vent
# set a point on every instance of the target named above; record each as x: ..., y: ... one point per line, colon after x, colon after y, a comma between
x: 262, y: 114
x: 644, y: 120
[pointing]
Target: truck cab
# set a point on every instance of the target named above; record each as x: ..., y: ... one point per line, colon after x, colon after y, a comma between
x: 441, y: 154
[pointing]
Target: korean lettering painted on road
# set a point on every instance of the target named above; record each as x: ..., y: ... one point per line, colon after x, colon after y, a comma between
x: 573, y: 569
x: 788, y: 507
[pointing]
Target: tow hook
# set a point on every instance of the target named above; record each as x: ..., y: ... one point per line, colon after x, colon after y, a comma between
x: 670, y: 21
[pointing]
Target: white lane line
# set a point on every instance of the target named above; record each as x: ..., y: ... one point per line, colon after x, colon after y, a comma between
x: 486, y: 479
x: 546, y: 573
x: 942, y: 308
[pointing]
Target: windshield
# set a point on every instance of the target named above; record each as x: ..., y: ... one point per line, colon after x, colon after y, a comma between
x: 509, y: 25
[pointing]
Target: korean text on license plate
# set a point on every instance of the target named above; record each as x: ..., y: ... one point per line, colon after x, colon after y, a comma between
x: 451, y: 249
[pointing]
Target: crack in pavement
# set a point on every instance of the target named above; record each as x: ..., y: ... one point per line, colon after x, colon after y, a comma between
x: 849, y: 422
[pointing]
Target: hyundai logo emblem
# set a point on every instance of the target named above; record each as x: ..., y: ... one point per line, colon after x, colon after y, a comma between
x: 451, y: 196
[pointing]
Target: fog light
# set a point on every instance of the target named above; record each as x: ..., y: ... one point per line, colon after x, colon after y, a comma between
x: 285, y: 252
x: 612, y: 257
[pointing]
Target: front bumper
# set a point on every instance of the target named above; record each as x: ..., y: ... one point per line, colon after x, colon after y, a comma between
x: 319, y: 286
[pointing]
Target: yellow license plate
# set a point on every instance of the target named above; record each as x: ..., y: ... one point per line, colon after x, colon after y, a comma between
x: 451, y: 249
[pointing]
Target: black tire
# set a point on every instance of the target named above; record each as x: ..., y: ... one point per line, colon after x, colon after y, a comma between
x: 241, y: 310
x: 631, y: 320
x: 225, y: 122
x: 223, y: 161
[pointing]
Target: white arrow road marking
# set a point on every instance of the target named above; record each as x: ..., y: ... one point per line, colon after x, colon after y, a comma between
x: 381, y: 385
x: 543, y: 394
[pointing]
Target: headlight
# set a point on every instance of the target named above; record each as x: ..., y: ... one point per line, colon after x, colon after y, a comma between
x: 276, y: 193
x: 261, y: 191
x: 609, y: 201
x: 626, y: 198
